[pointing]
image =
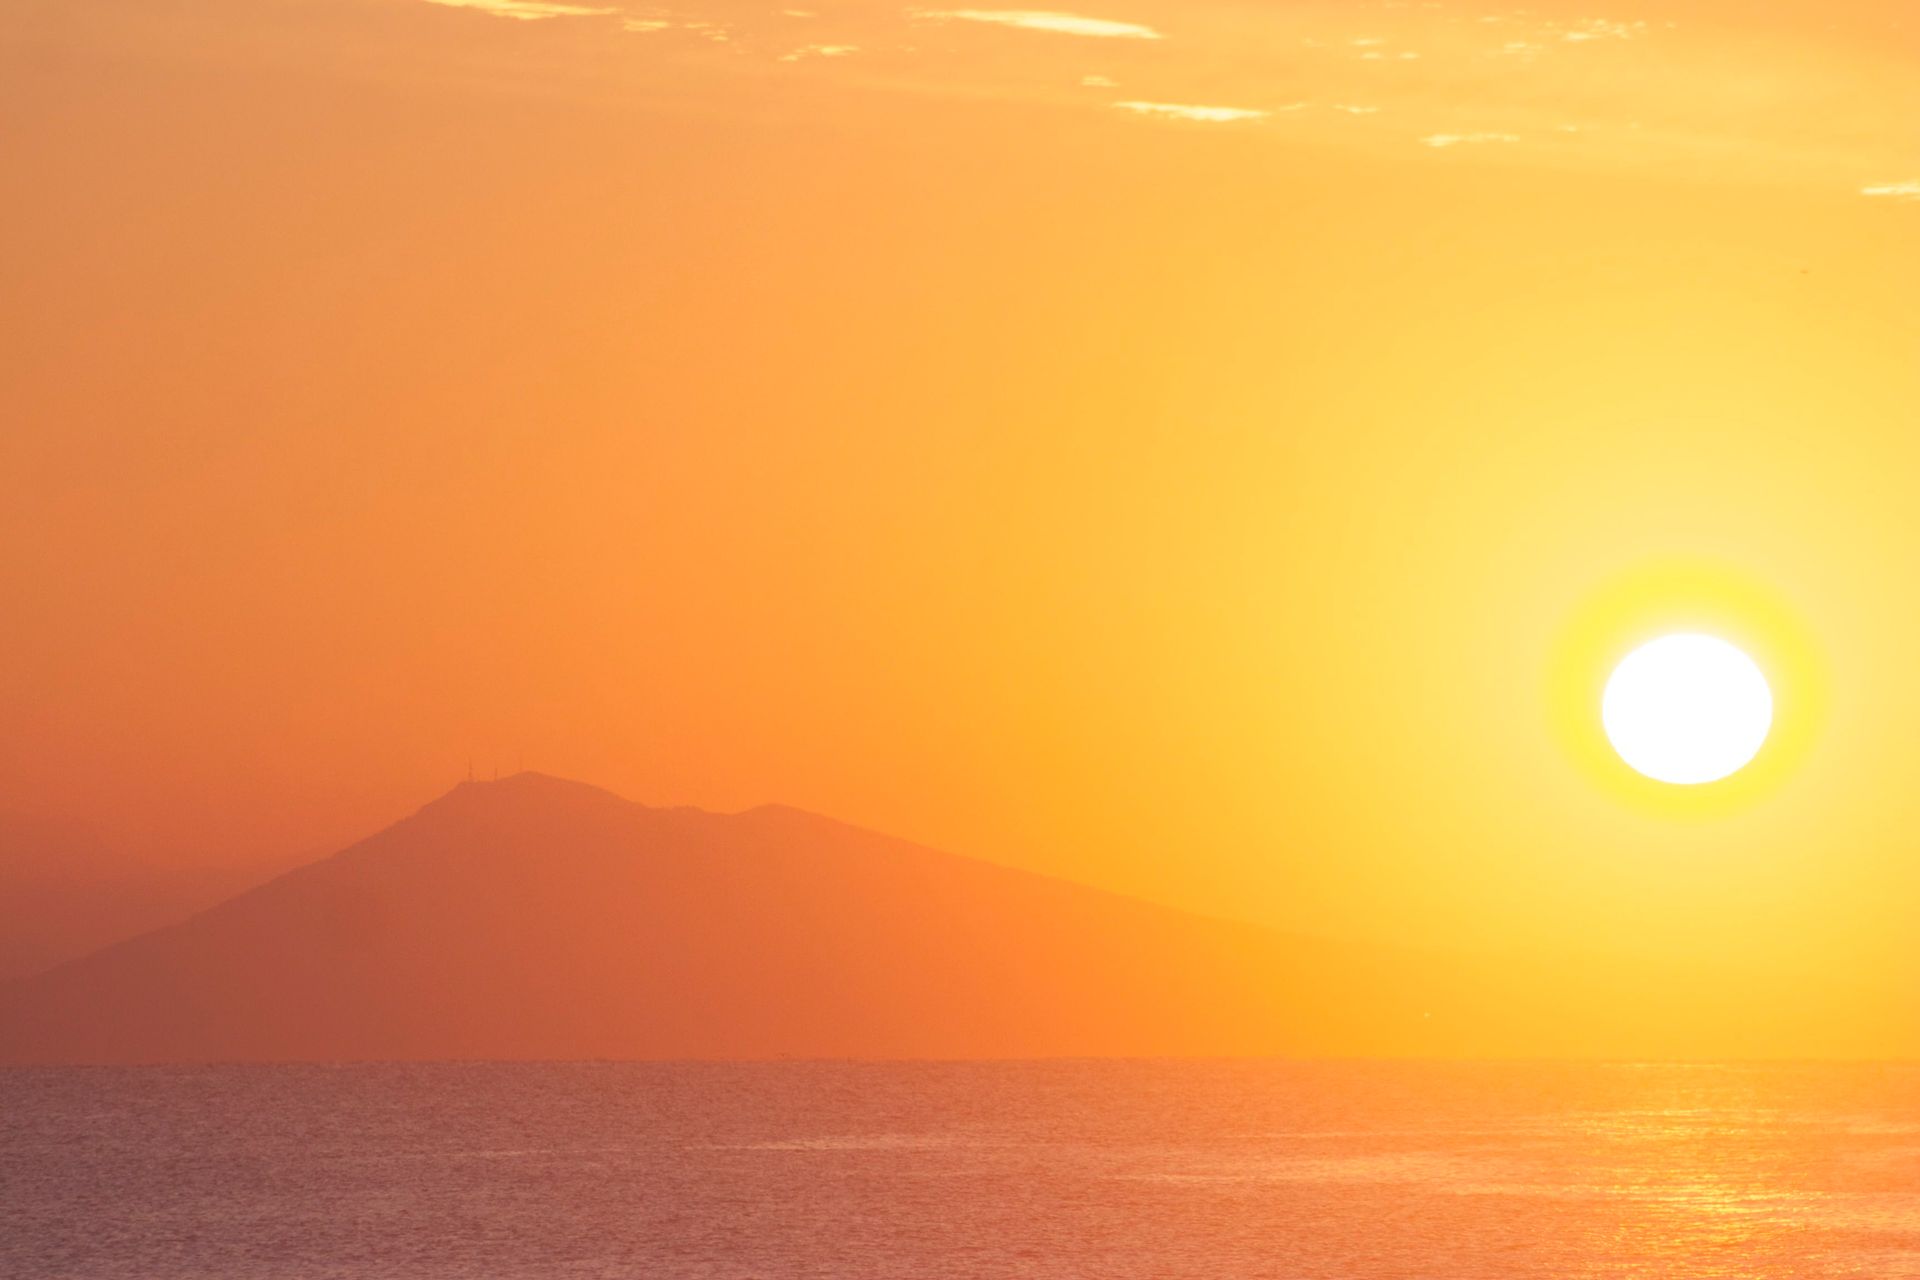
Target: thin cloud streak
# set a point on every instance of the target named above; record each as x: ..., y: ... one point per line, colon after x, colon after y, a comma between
x: 1908, y: 192
x: 525, y: 10
x: 820, y: 51
x: 1442, y: 140
x: 1602, y: 29
x: 1190, y: 111
x: 1071, y: 24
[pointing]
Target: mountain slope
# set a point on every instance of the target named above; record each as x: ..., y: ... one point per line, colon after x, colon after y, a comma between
x: 65, y: 893
x: 540, y: 918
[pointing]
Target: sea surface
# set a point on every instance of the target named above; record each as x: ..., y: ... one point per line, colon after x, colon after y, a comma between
x: 1062, y: 1169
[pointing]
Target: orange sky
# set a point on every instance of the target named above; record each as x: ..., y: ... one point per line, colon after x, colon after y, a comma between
x: 1158, y: 444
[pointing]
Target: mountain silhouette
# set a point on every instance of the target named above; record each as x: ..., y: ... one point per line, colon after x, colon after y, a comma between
x: 534, y: 917
x: 538, y: 918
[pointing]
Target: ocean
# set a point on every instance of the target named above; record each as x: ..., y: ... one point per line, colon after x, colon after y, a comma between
x: 891, y: 1171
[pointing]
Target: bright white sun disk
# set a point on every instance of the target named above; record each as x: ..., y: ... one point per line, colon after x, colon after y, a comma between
x: 1687, y: 709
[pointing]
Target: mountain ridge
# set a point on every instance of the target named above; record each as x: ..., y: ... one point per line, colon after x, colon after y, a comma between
x: 538, y: 917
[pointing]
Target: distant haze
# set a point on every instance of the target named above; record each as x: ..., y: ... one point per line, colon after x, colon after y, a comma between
x: 1155, y: 444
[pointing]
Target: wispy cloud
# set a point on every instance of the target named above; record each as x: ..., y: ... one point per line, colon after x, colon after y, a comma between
x: 1466, y: 139
x: 1071, y: 24
x: 655, y: 22
x: 1603, y: 29
x: 1189, y: 111
x: 525, y: 10
x: 1906, y: 191
x: 820, y: 51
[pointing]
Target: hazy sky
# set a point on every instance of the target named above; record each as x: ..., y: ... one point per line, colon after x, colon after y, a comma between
x: 1162, y: 444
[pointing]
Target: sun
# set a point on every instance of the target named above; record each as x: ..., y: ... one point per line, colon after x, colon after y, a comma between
x: 1679, y: 728
x: 1687, y: 709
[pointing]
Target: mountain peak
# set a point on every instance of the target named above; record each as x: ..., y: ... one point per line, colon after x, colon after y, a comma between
x: 527, y: 781
x: 524, y: 790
